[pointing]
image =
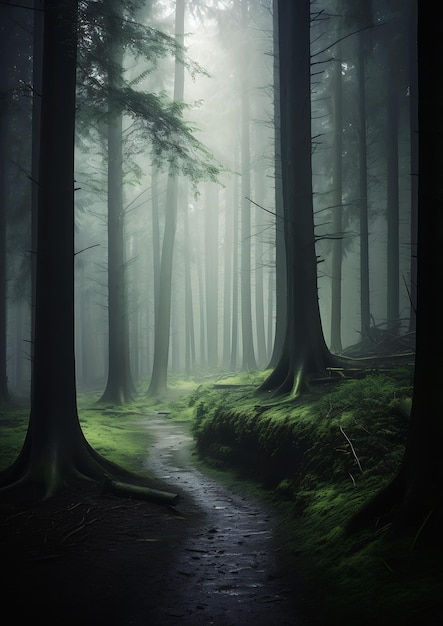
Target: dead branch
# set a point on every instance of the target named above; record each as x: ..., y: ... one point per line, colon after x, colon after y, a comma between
x: 352, y: 448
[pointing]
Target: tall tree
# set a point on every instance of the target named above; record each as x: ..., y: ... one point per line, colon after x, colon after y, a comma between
x: 280, y: 254
x: 337, y: 209
x: 120, y: 387
x: 249, y: 361
x: 360, y: 18
x: 304, y: 352
x: 55, y: 451
x: 158, y: 383
x: 211, y: 272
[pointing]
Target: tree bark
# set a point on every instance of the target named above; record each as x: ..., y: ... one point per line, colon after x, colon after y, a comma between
x: 304, y: 353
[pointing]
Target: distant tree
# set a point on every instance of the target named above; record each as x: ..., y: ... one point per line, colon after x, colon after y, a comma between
x: 280, y: 255
x: 190, y: 354
x: 249, y: 360
x: 359, y: 18
x: 337, y: 208
x: 119, y: 387
x: 413, y: 499
x: 211, y: 272
x: 158, y: 382
x: 304, y: 352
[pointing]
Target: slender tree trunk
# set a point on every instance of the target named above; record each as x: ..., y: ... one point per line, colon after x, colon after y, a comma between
x: 37, y: 56
x: 393, y: 252
x: 235, y: 276
x: 365, y: 315
x: 155, y: 240
x: 158, y: 383
x: 120, y: 387
x: 189, y: 306
x: 248, y: 356
x: 258, y: 256
x: 227, y: 280
x: 211, y: 272
x: 201, y: 300
x: 280, y: 254
x: 337, y: 228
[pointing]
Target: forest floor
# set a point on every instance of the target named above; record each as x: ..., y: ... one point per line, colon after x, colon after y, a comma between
x: 87, y: 557
x: 219, y: 556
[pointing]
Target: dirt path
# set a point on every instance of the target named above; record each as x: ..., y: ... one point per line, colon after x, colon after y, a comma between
x: 224, y: 573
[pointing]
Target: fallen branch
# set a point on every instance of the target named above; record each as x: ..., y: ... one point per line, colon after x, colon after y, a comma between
x: 127, y: 490
x: 352, y: 448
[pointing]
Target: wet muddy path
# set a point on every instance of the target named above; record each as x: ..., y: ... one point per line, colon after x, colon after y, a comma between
x: 224, y: 573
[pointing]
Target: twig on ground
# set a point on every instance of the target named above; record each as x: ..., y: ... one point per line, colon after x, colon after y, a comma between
x: 352, y: 448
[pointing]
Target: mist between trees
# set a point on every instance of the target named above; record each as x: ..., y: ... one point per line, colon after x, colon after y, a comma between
x: 179, y: 237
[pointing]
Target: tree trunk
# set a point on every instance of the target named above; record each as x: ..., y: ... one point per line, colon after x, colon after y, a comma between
x: 159, y: 378
x: 280, y: 254
x: 227, y: 279
x: 120, y: 387
x: 304, y: 352
x: 393, y: 252
x: 258, y: 255
x: 365, y: 315
x: 235, y: 276
x: 189, y: 306
x: 248, y: 356
x: 337, y: 210
x: 211, y: 272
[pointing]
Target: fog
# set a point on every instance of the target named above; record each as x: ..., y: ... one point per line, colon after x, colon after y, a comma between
x: 224, y: 252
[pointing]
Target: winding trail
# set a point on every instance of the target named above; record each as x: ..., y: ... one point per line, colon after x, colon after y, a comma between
x: 224, y: 573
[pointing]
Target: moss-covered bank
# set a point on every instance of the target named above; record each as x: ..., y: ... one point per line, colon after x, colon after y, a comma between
x: 319, y: 458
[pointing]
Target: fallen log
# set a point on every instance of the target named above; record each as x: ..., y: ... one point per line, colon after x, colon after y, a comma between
x: 126, y: 490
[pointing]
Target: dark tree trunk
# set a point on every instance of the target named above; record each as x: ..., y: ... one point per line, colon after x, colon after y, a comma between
x: 5, y: 46
x: 55, y: 451
x: 304, y: 352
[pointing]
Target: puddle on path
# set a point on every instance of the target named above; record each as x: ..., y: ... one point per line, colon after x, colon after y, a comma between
x: 225, y: 573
